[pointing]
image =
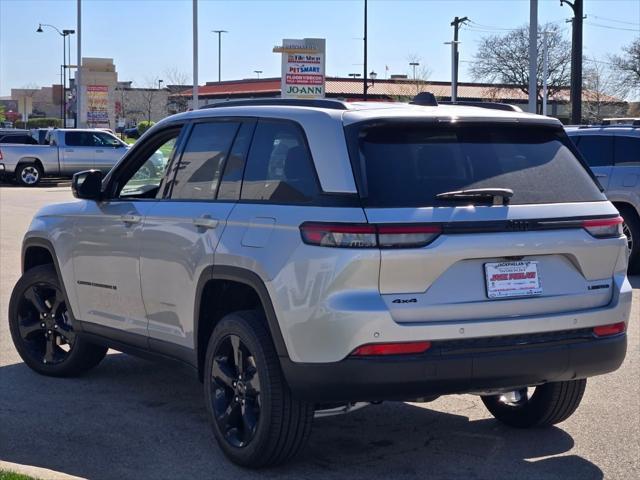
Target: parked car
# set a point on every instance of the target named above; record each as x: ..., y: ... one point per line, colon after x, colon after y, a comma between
x: 613, y: 153
x: 131, y: 132
x: 306, y: 256
x: 68, y: 151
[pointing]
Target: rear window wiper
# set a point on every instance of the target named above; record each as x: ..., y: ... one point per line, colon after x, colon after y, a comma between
x: 500, y: 196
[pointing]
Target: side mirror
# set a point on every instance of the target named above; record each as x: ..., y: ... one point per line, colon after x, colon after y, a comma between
x: 87, y: 185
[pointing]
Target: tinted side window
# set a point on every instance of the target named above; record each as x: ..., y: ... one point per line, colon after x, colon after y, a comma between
x: 596, y: 149
x: 627, y: 150
x: 74, y: 139
x: 200, y: 166
x: 233, y: 170
x: 279, y: 168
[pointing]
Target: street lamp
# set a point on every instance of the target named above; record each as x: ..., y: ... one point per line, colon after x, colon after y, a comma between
x: 257, y: 72
x: 219, y: 32
x: 373, y: 75
x: 63, y: 77
x: 159, y: 83
x: 354, y: 75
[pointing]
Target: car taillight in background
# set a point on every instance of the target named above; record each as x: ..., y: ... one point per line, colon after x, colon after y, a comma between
x: 368, y: 235
x: 604, y: 227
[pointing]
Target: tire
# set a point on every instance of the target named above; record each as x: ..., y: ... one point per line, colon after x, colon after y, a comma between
x: 256, y: 423
x: 54, y: 350
x: 632, y: 230
x: 28, y: 174
x: 549, y: 404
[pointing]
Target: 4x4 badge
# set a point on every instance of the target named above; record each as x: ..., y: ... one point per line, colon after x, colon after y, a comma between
x: 405, y: 300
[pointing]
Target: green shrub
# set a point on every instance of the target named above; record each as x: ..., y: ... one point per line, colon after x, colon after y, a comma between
x: 39, y: 123
x: 144, y: 126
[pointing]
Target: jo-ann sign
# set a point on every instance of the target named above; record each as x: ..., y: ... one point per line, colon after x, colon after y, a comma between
x: 302, y: 67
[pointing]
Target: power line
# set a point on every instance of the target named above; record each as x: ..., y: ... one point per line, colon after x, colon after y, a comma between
x: 489, y: 27
x: 615, y: 21
x: 613, y: 28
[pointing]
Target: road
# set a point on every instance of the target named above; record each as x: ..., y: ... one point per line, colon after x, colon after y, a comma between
x: 130, y: 418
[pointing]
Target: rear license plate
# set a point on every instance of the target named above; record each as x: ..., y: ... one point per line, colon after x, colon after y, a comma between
x: 512, y: 279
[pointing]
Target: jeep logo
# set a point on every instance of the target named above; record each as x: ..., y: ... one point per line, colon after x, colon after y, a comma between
x: 405, y: 300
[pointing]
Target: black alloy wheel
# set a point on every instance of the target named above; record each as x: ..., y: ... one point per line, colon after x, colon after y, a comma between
x: 41, y: 326
x: 256, y: 420
x: 235, y: 391
x: 43, y: 323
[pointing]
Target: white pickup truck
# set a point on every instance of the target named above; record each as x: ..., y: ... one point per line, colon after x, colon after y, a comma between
x: 68, y: 151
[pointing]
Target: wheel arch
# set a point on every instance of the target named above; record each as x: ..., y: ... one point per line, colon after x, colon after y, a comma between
x: 216, y: 277
x: 40, y: 251
x: 627, y: 205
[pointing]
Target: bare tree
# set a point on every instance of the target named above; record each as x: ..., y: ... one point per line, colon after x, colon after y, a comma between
x: 627, y: 67
x: 505, y: 59
x: 175, y: 82
x: 420, y: 74
x: 603, y: 93
x: 148, y: 96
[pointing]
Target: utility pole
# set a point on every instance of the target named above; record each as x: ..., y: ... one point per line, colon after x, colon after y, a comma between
x: 455, y: 56
x: 219, y: 32
x: 576, y: 59
x: 364, y: 75
x: 533, y: 55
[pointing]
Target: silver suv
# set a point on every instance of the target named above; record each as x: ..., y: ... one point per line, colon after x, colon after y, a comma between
x: 613, y: 153
x: 307, y: 256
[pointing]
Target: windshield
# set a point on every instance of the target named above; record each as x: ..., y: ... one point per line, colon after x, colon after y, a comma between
x: 407, y: 164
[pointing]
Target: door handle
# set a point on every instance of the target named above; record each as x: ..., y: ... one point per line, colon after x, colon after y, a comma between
x: 131, y: 219
x: 205, y: 222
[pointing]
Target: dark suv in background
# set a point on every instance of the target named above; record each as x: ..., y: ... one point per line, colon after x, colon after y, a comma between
x: 613, y: 153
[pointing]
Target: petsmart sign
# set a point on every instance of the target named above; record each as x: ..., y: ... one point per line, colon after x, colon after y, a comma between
x: 302, y: 67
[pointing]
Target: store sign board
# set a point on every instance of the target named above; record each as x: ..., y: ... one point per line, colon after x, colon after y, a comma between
x: 303, y: 68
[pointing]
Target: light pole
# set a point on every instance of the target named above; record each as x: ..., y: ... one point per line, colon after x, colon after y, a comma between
x: 63, y: 77
x: 159, y: 84
x: 258, y: 72
x: 365, y: 86
x: 219, y: 32
x: 414, y: 65
x: 545, y: 71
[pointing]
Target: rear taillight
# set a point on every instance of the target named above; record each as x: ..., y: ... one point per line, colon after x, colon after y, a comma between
x: 378, y: 349
x: 608, y: 330
x: 339, y: 235
x: 367, y: 235
x: 604, y: 227
x: 407, y: 236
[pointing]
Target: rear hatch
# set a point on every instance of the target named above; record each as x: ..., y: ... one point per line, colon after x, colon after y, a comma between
x: 483, y: 220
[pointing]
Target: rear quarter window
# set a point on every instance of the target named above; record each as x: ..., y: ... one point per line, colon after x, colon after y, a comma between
x: 408, y: 164
x: 627, y: 150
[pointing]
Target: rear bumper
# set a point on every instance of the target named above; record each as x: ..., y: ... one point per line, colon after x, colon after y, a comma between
x: 459, y: 367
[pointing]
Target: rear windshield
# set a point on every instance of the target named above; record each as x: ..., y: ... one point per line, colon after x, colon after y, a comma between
x: 408, y: 164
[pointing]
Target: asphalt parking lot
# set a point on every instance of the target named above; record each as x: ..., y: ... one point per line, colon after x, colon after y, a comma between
x: 131, y: 418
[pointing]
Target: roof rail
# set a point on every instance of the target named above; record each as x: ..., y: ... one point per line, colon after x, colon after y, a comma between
x: 634, y: 124
x: 426, y: 99
x: 490, y: 105
x: 285, y: 102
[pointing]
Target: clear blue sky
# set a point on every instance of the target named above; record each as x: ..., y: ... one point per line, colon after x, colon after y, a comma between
x: 147, y: 37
